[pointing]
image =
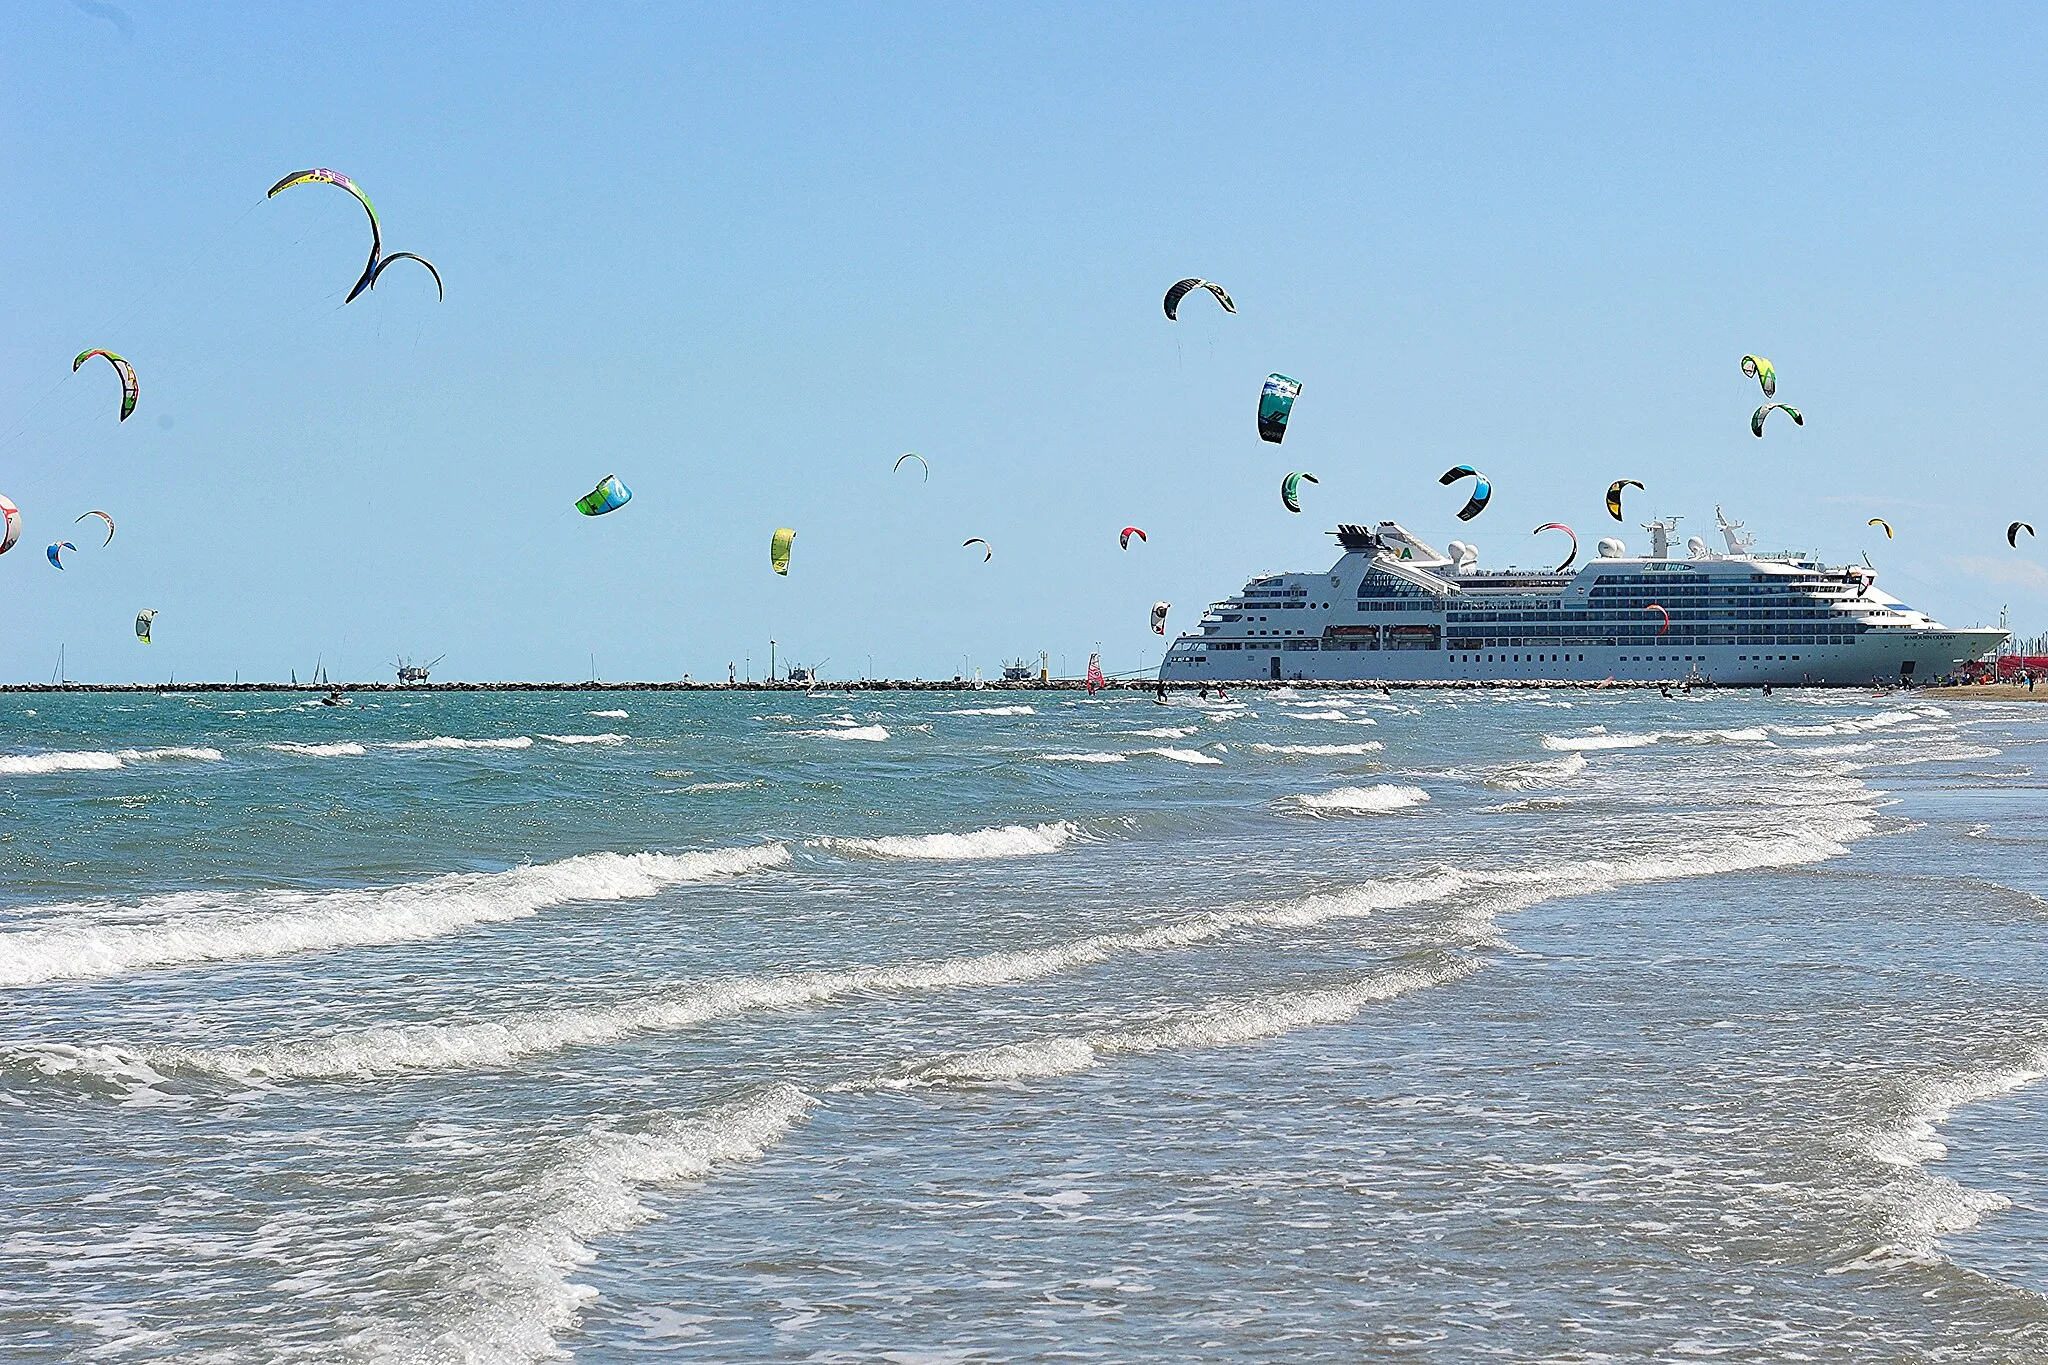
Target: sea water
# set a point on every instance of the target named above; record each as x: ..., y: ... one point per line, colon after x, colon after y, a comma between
x: 1022, y: 1026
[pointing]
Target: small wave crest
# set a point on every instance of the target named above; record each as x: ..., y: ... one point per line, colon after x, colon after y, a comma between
x: 1181, y: 755
x: 991, y: 711
x: 1380, y: 799
x: 1518, y: 777
x: 1370, y: 746
x: 872, y: 733
x: 1006, y: 841
x: 99, y: 760
x: 450, y: 742
x: 1220, y: 1023
x: 1580, y: 743
x: 340, y: 749
x: 607, y: 738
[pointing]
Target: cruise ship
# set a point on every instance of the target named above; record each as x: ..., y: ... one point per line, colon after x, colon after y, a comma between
x: 1394, y: 609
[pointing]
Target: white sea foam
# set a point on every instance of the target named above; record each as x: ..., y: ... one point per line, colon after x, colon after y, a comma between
x: 1082, y: 758
x: 1517, y: 777
x: 96, y: 760
x: 1576, y: 743
x: 340, y: 749
x: 1924, y: 1206
x: 607, y: 738
x: 1814, y: 833
x: 449, y: 742
x: 1006, y: 841
x: 696, y: 787
x: 1752, y: 735
x: 608, y: 715
x: 189, y: 928
x: 1380, y: 799
x: 522, y: 1292
x: 1370, y: 746
x: 1180, y: 755
x: 991, y: 711
x: 848, y: 730
x: 87, y: 761
x: 1915, y: 1139
x: 94, y: 1068
x: 1161, y: 734
x: 1317, y: 715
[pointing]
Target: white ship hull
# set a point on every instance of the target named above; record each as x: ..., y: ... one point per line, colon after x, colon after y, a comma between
x: 1881, y: 661
x: 1395, y: 610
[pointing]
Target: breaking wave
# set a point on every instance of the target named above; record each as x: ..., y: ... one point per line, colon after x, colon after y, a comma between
x: 1370, y: 746
x: 1923, y: 1206
x: 1380, y: 799
x: 1478, y: 897
x: 1181, y: 755
x: 1579, y: 743
x: 340, y: 749
x: 990, y: 711
x: 1007, y: 841
x: 1522, y: 776
x: 873, y: 733
x: 99, y: 760
x: 190, y: 928
x: 607, y: 738
x: 522, y: 1293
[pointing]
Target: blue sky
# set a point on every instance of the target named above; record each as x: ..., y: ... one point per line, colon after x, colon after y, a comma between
x: 744, y: 257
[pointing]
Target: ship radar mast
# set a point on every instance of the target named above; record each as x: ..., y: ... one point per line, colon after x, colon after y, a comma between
x: 1738, y: 543
x: 1660, y: 536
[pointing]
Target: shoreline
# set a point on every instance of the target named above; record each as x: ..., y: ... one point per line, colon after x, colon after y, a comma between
x: 966, y: 685
x: 1988, y: 692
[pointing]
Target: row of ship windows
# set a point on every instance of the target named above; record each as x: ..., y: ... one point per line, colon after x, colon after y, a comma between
x: 1794, y: 614
x: 1471, y: 646
x: 1662, y: 579
x: 1800, y: 608
x: 1473, y: 658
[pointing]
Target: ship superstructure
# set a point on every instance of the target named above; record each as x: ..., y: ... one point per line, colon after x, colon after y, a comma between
x: 1394, y: 608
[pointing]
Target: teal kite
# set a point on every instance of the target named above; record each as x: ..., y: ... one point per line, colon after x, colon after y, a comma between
x: 609, y: 496
x: 1482, y: 489
x: 1290, y: 490
x: 1276, y: 403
